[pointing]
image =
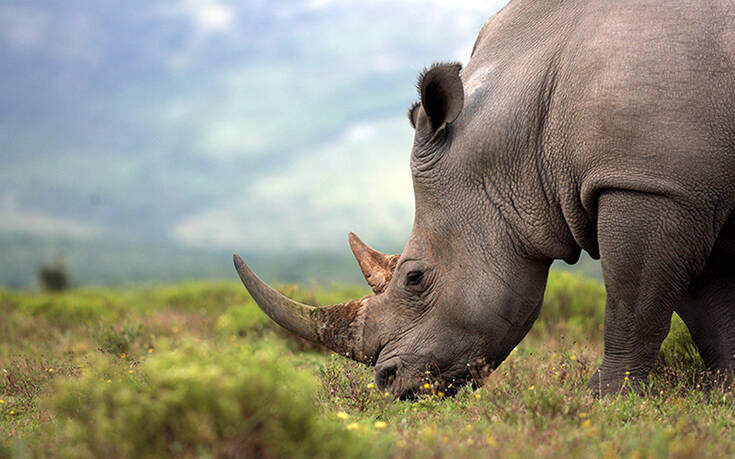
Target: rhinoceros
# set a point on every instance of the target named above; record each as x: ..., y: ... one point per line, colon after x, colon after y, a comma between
x: 591, y: 125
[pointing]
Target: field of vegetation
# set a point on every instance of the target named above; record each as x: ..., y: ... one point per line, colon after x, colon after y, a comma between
x: 196, y: 370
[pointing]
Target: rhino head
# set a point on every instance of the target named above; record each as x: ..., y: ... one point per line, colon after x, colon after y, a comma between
x: 462, y: 291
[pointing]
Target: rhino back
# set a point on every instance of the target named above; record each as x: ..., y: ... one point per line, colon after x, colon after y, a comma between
x: 636, y: 95
x: 649, y: 98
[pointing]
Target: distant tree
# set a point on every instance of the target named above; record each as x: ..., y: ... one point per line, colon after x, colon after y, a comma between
x: 54, y: 276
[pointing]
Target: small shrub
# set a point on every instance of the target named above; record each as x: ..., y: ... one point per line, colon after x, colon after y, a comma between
x: 54, y: 277
x: 23, y: 378
x: 205, y: 297
x: 543, y: 403
x: 249, y: 320
x: 243, y: 321
x: 119, y: 340
x: 349, y: 385
x: 679, y: 362
x: 195, y: 401
x: 66, y: 308
x: 678, y: 349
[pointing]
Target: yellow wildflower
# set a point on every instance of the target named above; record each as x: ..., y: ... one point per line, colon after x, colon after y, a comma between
x: 387, y: 394
x: 627, y: 373
x: 352, y: 426
x: 123, y: 355
x: 468, y: 428
x: 109, y: 381
x: 426, y: 385
x: 130, y: 372
x: 50, y: 370
x: 2, y: 401
x: 428, y: 432
x: 371, y: 385
x: 342, y: 415
x: 574, y: 357
x: 582, y: 415
x: 380, y: 424
x: 477, y: 395
x: 532, y: 388
x: 12, y: 412
x: 150, y: 350
x: 440, y: 394
x: 586, y: 423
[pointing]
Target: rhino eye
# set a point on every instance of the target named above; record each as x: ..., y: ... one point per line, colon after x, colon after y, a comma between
x: 414, y: 278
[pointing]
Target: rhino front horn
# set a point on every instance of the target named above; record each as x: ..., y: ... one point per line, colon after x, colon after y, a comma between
x: 377, y: 267
x: 338, y: 327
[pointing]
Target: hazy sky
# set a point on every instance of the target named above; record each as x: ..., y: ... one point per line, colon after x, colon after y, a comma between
x: 264, y: 125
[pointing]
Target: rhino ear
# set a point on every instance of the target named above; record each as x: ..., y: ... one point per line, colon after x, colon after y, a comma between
x: 442, y: 95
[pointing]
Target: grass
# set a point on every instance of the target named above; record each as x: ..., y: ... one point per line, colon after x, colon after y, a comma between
x: 196, y: 369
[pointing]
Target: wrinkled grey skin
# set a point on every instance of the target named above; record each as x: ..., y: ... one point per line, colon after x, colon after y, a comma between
x: 593, y: 125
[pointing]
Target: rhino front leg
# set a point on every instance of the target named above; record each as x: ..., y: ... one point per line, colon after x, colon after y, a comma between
x: 650, y: 248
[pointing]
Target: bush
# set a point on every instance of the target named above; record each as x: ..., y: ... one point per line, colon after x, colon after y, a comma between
x: 350, y: 386
x: 578, y: 301
x: 249, y: 320
x: 192, y: 401
x: 679, y: 349
x: 54, y: 277
x: 197, y: 296
x: 119, y: 340
x: 679, y: 362
x: 244, y: 320
x: 67, y: 308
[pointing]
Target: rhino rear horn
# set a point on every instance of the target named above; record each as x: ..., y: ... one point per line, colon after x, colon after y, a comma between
x: 377, y: 267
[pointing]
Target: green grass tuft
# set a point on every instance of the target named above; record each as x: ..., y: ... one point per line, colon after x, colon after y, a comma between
x: 230, y: 401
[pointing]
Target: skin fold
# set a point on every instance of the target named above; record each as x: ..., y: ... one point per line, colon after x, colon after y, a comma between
x: 600, y: 126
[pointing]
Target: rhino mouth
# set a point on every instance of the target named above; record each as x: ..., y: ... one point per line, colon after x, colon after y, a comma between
x: 408, y: 382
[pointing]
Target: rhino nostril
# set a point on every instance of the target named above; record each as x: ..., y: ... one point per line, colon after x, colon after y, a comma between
x: 386, y: 376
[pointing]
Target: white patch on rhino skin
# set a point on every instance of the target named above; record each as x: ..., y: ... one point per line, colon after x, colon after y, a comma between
x: 476, y: 80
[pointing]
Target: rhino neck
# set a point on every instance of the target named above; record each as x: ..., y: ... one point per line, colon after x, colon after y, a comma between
x: 527, y: 173
x: 521, y: 165
x: 518, y: 82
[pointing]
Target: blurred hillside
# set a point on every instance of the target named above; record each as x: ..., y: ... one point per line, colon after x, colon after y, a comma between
x: 119, y: 263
